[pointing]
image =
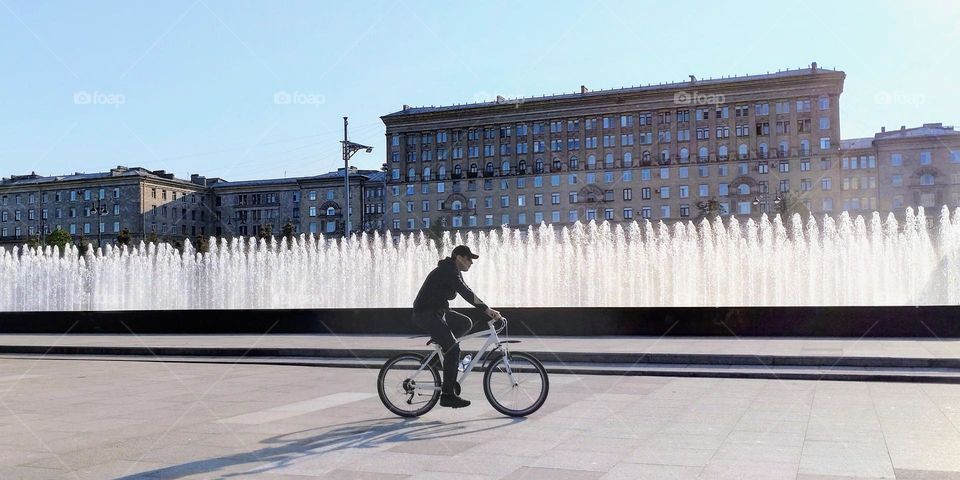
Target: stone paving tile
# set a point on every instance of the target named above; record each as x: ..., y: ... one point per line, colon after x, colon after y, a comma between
x: 637, y: 471
x: 545, y: 473
x: 905, y: 474
x: 663, y: 455
x: 722, y: 470
x: 579, y: 460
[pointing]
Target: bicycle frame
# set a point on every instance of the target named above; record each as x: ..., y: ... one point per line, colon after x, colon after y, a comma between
x: 493, y: 340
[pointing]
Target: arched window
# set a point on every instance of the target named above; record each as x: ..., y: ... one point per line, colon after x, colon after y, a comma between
x: 522, y: 166
x: 591, y: 162
x: 473, y: 168
x: 538, y: 167
x: 926, y: 179
x: 457, y: 205
x: 331, y: 211
x: 556, y: 164
x: 457, y: 170
x: 684, y: 154
x: 742, y: 151
x: 763, y: 150
x: 608, y: 160
x: 723, y: 152
x: 783, y: 149
x: 665, y: 156
x: 574, y: 163
x: 645, y: 157
x: 411, y: 174
x: 505, y: 168
x: 489, y: 169
x: 704, y: 153
x: 743, y: 189
x: 442, y: 172
x: 627, y: 159
x: 805, y: 147
x: 426, y: 173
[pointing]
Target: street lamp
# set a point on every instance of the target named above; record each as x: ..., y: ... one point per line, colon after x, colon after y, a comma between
x: 100, y: 208
x: 349, y: 148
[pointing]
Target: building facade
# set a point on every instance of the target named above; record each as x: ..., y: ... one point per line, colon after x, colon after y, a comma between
x: 155, y: 205
x: 659, y: 152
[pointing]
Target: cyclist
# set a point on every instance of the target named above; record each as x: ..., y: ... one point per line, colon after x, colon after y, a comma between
x: 431, y: 312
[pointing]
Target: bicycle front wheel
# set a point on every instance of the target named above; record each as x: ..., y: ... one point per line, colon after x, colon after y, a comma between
x: 516, y: 384
x: 405, y: 388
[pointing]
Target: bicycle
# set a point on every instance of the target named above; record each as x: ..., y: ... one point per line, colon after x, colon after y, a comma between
x: 515, y: 383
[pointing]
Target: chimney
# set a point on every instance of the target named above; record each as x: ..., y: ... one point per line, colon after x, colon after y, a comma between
x: 813, y: 67
x: 406, y: 107
x: 883, y: 129
x: 500, y: 99
x: 583, y: 89
x: 903, y: 127
x: 693, y: 79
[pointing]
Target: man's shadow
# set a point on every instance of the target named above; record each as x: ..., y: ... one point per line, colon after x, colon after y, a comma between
x: 281, y: 450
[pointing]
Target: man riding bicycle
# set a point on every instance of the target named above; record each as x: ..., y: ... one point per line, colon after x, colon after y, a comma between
x: 431, y: 312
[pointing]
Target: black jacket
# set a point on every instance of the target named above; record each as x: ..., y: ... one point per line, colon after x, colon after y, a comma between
x: 442, y: 285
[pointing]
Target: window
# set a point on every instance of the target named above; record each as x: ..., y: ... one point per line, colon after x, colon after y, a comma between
x: 824, y: 143
x: 926, y: 179
x: 925, y: 158
x: 824, y: 123
x: 826, y: 183
x: 896, y: 160
x: 703, y: 190
x: 628, y: 194
x: 896, y: 180
x: 823, y: 102
x: 664, y: 192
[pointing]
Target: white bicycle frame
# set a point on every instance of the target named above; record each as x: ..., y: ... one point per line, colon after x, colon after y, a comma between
x: 493, y: 339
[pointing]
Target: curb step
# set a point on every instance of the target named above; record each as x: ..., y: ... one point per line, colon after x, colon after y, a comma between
x: 831, y: 373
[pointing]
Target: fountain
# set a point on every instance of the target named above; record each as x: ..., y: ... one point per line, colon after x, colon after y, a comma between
x: 830, y: 262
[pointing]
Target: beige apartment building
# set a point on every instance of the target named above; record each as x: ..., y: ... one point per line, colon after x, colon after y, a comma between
x: 157, y: 205
x: 747, y: 144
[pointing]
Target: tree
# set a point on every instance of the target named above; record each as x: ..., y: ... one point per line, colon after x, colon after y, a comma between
x: 60, y: 238
x: 201, y: 244
x: 437, y: 226
x: 710, y: 209
x: 123, y: 238
x: 266, y: 232
x: 791, y: 203
x: 287, y: 232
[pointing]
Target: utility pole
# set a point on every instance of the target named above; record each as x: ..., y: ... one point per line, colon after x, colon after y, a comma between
x: 349, y: 148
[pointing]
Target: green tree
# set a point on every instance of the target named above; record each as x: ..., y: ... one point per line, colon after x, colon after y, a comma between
x: 288, y: 232
x: 60, y: 238
x: 790, y: 203
x: 710, y: 209
x: 437, y: 226
x: 123, y: 238
x: 201, y: 244
x: 266, y: 232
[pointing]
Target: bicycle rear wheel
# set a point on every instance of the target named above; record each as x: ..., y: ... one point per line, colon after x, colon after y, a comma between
x: 516, y: 384
x: 404, y: 390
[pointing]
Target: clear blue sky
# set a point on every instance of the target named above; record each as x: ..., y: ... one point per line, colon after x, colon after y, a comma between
x: 190, y: 86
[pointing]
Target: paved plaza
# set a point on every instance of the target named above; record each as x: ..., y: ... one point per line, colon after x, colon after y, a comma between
x: 73, y: 418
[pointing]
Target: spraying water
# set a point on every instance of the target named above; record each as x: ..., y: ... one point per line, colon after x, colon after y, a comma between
x: 833, y: 261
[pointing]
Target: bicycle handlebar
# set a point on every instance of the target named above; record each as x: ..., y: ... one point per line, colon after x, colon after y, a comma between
x: 503, y: 324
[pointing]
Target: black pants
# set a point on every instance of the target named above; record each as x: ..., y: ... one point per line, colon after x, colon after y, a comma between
x: 444, y: 326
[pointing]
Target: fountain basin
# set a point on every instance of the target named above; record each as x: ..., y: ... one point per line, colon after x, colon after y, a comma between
x: 820, y: 321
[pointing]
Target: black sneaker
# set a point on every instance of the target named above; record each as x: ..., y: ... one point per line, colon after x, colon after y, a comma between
x: 453, y: 401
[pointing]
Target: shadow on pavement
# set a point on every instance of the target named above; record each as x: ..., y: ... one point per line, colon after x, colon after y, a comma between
x: 284, y: 449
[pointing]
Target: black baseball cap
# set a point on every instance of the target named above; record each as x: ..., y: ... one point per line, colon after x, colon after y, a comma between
x: 464, y: 250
